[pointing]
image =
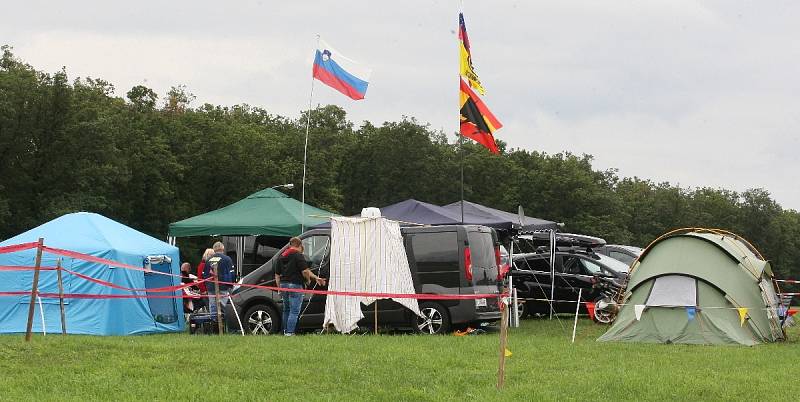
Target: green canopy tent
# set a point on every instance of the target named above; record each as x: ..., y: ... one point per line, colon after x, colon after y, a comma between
x: 268, y: 212
x: 699, y: 286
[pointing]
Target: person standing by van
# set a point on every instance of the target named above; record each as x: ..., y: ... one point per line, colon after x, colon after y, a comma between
x: 291, y: 272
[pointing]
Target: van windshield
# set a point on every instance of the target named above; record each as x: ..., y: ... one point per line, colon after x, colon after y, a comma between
x: 484, y: 266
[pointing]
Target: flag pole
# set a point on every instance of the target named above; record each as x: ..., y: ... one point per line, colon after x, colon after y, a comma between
x: 461, y: 151
x: 461, y: 136
x: 305, y: 151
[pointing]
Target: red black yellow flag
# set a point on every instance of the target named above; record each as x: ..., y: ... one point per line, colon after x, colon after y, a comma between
x: 477, y: 122
x: 467, y: 69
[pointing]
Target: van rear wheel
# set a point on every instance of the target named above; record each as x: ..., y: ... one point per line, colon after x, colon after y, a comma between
x: 435, y: 319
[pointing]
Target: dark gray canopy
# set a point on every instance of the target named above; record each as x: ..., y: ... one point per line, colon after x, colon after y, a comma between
x: 502, y: 219
x: 412, y: 211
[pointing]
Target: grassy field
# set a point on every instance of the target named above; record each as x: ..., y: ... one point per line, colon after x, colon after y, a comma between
x: 544, y: 366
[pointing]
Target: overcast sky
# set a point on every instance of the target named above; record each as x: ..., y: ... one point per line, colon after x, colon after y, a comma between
x: 697, y: 93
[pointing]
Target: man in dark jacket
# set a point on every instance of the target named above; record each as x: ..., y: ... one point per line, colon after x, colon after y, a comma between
x: 290, y: 273
x: 220, y: 265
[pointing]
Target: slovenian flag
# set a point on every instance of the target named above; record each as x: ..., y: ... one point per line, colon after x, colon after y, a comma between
x: 340, y: 73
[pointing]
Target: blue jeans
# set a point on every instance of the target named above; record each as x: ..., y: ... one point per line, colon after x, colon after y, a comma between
x: 212, y: 297
x: 292, y: 301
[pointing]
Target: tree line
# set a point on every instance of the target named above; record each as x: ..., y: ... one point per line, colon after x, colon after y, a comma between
x: 75, y: 145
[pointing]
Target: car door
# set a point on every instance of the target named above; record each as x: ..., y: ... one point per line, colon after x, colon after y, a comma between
x: 585, y: 269
x: 537, y: 277
x: 573, y: 277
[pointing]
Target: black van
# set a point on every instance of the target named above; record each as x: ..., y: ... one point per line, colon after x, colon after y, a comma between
x: 456, y: 259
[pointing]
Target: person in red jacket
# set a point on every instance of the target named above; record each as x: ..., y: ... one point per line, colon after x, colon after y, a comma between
x: 290, y: 273
x: 200, y: 267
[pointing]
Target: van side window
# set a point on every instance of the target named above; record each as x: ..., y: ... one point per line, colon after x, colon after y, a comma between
x: 315, y: 248
x: 435, y: 252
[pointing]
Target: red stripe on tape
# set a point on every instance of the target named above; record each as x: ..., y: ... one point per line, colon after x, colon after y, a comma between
x: 18, y: 247
x: 24, y: 268
x: 91, y: 258
x: 115, y: 286
x: 420, y: 296
x: 86, y: 257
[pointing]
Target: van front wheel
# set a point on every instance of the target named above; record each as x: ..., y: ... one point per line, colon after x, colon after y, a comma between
x: 435, y: 319
x: 262, y: 320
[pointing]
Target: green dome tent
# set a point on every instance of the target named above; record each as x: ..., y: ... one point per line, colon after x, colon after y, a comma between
x: 699, y: 286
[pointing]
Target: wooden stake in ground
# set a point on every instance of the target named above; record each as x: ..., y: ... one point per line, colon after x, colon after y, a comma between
x: 61, y: 298
x: 501, y: 370
x: 34, y: 289
x: 217, y: 301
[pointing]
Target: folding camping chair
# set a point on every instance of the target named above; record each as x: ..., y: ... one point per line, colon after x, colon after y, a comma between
x: 204, y: 320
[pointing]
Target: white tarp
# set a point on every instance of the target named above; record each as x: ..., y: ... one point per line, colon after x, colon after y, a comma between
x: 367, y: 255
x: 673, y: 291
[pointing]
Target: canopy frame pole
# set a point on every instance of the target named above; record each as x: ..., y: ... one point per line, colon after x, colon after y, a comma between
x: 217, y: 300
x: 239, y: 255
x: 34, y: 289
x: 305, y: 153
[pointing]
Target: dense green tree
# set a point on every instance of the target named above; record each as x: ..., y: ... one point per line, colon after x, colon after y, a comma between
x: 75, y: 145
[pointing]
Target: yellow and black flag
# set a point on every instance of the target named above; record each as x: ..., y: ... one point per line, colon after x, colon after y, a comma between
x: 467, y: 70
x: 477, y: 122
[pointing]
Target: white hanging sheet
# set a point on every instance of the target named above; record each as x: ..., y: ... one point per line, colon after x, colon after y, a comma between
x: 367, y: 255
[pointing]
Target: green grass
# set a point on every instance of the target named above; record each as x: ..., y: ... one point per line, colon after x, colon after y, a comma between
x: 544, y: 366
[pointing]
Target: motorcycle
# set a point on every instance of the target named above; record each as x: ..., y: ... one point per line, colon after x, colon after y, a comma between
x: 606, y: 306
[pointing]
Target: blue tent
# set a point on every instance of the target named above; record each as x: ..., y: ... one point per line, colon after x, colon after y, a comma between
x: 98, y: 236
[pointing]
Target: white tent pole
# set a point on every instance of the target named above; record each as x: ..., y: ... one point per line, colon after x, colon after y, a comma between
x: 516, y: 307
x: 577, y: 307
x: 552, y: 270
x: 41, y: 312
x: 510, y: 282
x: 513, y: 305
x: 239, y: 320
